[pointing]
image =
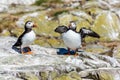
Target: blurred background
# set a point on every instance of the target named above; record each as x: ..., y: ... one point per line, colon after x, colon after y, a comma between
x: 102, y: 16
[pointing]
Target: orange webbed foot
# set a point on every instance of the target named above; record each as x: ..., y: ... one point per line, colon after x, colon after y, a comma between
x: 30, y: 52
x: 76, y: 54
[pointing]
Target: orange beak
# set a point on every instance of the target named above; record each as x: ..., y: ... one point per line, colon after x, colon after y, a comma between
x: 34, y: 25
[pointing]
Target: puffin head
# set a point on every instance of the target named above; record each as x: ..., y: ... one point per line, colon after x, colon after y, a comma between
x: 61, y: 29
x: 72, y: 25
x: 29, y: 25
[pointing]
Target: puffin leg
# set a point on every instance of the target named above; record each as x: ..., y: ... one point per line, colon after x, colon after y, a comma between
x: 29, y: 51
x: 76, y: 54
x: 68, y: 51
x: 21, y: 50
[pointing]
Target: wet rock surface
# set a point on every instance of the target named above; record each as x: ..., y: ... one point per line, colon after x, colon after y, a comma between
x: 46, y: 64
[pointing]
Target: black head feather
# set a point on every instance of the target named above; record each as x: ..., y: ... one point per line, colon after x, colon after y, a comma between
x: 72, y: 25
x: 61, y: 29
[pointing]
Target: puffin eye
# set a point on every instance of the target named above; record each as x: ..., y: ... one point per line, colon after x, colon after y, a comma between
x: 29, y: 23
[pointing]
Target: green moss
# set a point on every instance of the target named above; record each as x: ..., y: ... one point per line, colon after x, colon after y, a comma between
x: 28, y: 76
x: 53, y: 75
x: 63, y: 77
x: 106, y: 25
x: 69, y: 76
x: 60, y: 12
x: 106, y: 76
x: 41, y: 42
x: 75, y: 75
x: 95, y: 50
x: 53, y: 42
x: 39, y: 2
x: 44, y: 75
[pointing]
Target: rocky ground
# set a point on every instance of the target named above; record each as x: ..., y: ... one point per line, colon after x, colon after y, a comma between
x: 99, y: 59
x: 46, y: 64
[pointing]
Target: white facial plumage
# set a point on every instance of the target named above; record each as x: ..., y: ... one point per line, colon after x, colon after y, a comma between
x: 73, y: 24
x: 29, y: 24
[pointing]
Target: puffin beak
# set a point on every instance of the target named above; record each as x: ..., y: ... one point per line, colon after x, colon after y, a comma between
x: 34, y: 25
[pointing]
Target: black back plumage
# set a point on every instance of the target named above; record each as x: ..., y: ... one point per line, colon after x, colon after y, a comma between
x: 19, y: 41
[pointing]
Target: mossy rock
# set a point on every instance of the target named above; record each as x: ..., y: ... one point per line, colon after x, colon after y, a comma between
x: 105, y: 76
x: 107, y: 26
x: 63, y: 77
x: 53, y: 74
x: 44, y: 75
x: 75, y: 75
x: 70, y: 76
x: 28, y: 76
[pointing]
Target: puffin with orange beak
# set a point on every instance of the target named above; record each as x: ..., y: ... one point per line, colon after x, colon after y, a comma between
x: 26, y: 38
x: 73, y: 39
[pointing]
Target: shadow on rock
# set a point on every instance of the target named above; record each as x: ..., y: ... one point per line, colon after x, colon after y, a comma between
x: 25, y: 49
x: 16, y: 49
x: 63, y: 51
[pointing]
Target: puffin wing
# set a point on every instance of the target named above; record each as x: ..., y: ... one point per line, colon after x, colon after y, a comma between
x: 19, y: 40
x: 88, y: 32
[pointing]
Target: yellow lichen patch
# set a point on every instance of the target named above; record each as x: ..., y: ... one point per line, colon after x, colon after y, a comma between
x: 82, y: 23
x: 41, y: 42
x: 69, y: 76
x: 95, y: 50
x: 54, y: 42
x: 93, y: 10
x: 28, y: 76
x: 5, y: 33
x: 53, y: 74
x: 18, y: 31
x: 91, y: 39
x: 63, y: 77
x: 105, y: 76
x: 65, y: 19
x: 44, y: 75
x: 75, y: 75
x: 106, y: 24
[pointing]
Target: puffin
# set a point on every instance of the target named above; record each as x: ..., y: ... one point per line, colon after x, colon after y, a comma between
x: 26, y: 38
x: 84, y: 32
x: 73, y: 39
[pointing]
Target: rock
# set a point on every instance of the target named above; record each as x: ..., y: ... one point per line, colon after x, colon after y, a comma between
x: 45, y: 64
x: 102, y: 74
x: 21, y: 22
x: 28, y: 76
x: 22, y: 2
x: 5, y: 4
x: 70, y: 76
x: 3, y: 8
x: 108, y: 25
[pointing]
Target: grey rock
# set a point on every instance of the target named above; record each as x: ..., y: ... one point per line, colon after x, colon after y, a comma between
x: 44, y: 63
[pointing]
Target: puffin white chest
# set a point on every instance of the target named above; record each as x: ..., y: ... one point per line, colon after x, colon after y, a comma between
x: 28, y: 38
x: 72, y: 39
